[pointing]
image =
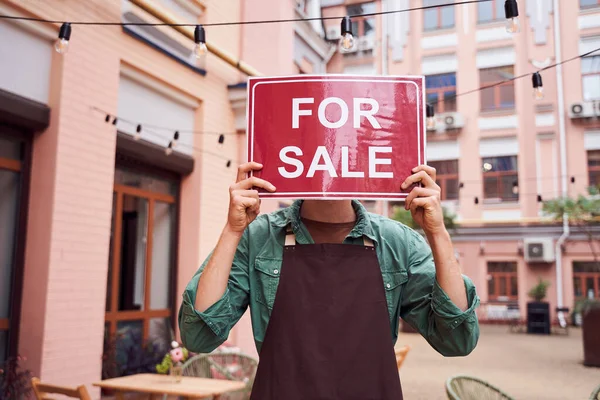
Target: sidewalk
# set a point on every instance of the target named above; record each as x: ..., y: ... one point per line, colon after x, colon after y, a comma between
x: 524, y: 366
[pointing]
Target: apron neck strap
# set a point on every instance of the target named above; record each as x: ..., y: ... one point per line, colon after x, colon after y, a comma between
x: 290, y: 238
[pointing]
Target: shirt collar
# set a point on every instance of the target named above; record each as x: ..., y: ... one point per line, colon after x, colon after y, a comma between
x: 361, y: 228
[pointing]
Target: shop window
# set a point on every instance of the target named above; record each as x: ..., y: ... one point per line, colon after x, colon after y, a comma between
x: 586, y: 280
x: 502, y: 281
x: 593, y: 163
x: 590, y: 77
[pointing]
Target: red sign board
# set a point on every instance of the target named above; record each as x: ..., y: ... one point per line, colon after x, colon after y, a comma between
x: 336, y: 136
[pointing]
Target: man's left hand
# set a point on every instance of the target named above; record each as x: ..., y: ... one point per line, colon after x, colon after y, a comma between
x: 424, y: 202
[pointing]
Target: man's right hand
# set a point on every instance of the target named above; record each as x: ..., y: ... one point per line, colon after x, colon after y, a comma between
x: 244, y: 204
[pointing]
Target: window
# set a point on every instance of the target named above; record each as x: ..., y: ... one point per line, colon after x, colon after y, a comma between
x: 362, y: 26
x: 501, y: 97
x: 490, y: 11
x: 441, y: 90
x: 589, y: 3
x: 586, y: 279
x: 502, y: 281
x: 447, y: 178
x: 139, y: 298
x: 500, y: 178
x: 594, y: 168
x: 439, y: 17
x: 11, y: 164
x: 590, y: 77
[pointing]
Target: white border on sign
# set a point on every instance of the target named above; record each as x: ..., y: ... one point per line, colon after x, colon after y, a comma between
x: 338, y: 78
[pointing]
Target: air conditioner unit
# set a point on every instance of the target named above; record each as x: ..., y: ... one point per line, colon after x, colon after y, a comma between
x: 448, y: 121
x: 584, y: 109
x: 366, y: 43
x: 334, y: 32
x: 539, y: 250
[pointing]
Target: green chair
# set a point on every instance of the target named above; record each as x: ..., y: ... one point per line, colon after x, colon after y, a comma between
x: 463, y: 387
x: 595, y: 394
x: 224, y: 365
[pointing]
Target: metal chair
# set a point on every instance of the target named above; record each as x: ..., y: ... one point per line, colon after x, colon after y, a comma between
x: 231, y: 366
x: 464, y: 387
x: 42, y: 390
x: 595, y: 394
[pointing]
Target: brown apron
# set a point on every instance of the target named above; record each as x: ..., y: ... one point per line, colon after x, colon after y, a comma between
x: 329, y: 334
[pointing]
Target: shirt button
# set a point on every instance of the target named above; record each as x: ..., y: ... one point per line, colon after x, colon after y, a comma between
x: 388, y: 286
x: 275, y: 271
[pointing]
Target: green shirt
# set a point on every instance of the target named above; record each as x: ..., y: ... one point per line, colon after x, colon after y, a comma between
x: 407, y: 267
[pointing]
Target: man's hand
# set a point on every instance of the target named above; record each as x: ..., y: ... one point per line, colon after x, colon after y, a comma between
x: 244, y: 204
x: 424, y: 202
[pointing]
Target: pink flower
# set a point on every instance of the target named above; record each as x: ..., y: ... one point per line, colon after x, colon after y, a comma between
x: 176, y: 355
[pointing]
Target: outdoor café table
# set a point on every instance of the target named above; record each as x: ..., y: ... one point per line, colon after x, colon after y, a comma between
x: 154, y: 384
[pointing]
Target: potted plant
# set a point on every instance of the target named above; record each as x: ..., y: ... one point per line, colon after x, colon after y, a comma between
x: 172, y: 362
x: 15, y: 382
x: 538, y: 311
x: 590, y: 312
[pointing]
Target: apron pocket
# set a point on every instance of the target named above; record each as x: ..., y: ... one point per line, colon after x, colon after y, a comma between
x: 392, y: 283
x: 266, y: 280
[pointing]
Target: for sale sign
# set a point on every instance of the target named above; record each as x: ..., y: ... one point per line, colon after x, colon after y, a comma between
x: 336, y: 136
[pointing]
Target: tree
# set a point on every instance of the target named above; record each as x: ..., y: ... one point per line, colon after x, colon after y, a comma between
x: 581, y: 212
x: 403, y: 216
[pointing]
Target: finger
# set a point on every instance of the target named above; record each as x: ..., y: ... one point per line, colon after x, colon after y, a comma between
x: 420, y: 176
x: 419, y: 192
x: 253, y: 182
x: 419, y: 202
x: 245, y: 193
x: 245, y: 168
x: 245, y: 202
x: 432, y: 172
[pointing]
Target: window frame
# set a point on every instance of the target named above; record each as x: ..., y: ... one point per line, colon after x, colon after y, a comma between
x: 582, y: 277
x: 440, y: 105
x: 12, y: 324
x: 507, y: 277
x: 442, y: 179
x: 499, y: 184
x: 592, y: 168
x: 497, y: 91
x: 361, y: 20
x: 582, y: 7
x: 438, y: 25
x: 113, y: 316
x: 495, y: 18
x: 583, y: 75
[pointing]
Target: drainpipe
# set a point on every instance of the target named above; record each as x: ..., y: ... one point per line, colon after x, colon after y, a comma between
x: 384, y: 71
x: 165, y: 16
x: 563, y: 158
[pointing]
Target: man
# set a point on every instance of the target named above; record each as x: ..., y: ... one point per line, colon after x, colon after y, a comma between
x: 326, y: 283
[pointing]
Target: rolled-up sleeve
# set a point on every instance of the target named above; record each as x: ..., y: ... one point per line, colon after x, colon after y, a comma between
x: 428, y: 309
x: 202, y: 332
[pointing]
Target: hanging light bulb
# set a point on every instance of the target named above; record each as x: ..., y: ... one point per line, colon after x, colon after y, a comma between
x: 62, y: 43
x: 461, y: 185
x: 539, y: 198
x: 487, y: 167
x: 572, y: 179
x: 430, y: 113
x: 511, y: 11
x: 138, y: 132
x: 107, y: 119
x: 538, y: 86
x: 200, y: 49
x: 228, y: 163
x: 169, y: 148
x: 221, y: 140
x: 476, y: 201
x: 175, y: 138
x: 115, y: 121
x: 347, y: 41
x: 515, y: 188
